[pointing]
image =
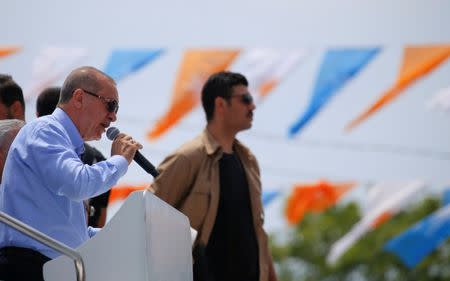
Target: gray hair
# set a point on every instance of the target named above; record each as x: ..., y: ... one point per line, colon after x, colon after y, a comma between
x: 8, y: 131
x: 86, y: 77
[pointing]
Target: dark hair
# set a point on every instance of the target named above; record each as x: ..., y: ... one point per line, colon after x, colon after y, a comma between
x: 220, y: 85
x: 10, y: 91
x: 86, y: 77
x: 47, y: 101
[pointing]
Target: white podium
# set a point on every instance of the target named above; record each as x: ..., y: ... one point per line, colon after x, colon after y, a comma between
x: 146, y: 240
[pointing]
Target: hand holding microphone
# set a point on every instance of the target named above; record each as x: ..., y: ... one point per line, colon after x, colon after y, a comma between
x: 124, y: 145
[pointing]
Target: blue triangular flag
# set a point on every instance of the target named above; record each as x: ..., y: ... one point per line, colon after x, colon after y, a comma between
x: 268, y: 196
x: 421, y: 239
x: 123, y: 62
x: 337, y: 68
x: 446, y: 197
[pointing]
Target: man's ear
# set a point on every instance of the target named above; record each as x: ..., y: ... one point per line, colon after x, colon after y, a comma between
x: 77, y: 98
x: 219, y: 104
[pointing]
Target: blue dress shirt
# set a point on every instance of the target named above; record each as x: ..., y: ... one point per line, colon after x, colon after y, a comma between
x: 45, y: 182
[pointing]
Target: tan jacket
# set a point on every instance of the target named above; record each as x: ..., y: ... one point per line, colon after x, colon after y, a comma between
x: 189, y: 181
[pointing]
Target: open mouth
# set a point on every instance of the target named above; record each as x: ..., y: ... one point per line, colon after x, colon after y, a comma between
x: 105, y: 125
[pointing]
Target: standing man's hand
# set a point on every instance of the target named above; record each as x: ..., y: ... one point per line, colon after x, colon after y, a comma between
x: 125, y: 145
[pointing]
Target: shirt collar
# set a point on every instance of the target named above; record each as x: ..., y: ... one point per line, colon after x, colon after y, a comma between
x: 213, y: 147
x: 72, y: 130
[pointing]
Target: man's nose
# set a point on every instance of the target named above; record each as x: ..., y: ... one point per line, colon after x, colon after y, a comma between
x: 112, y: 116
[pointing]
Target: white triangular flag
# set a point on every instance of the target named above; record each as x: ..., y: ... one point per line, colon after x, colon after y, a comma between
x: 265, y: 68
x: 384, y: 200
x: 52, y: 64
x: 440, y: 101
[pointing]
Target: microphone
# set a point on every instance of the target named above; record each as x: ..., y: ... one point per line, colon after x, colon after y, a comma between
x: 112, y: 133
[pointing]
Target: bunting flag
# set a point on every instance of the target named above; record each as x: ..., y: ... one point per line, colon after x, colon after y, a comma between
x: 413, y: 245
x: 269, y: 196
x: 266, y: 68
x: 338, y: 67
x: 6, y: 51
x: 196, y: 67
x: 52, y: 64
x: 315, y: 197
x: 417, y: 62
x: 446, y: 196
x: 440, y: 101
x: 388, y: 200
x: 123, y: 62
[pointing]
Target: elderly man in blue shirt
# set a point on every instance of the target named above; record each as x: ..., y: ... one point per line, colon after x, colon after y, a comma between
x: 45, y: 181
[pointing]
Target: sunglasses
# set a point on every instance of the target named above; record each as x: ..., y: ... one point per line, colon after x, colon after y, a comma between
x: 245, y: 98
x: 111, y: 104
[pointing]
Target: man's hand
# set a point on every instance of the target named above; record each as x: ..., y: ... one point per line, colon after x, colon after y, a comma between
x: 125, y: 145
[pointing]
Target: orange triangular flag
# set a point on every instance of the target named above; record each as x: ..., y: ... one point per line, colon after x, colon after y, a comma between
x: 267, y: 87
x: 384, y: 217
x: 195, y: 69
x: 417, y: 62
x: 8, y: 51
x: 121, y: 192
x: 315, y: 197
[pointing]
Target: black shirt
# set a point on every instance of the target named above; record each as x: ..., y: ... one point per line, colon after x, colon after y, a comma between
x: 91, y: 156
x: 232, y: 250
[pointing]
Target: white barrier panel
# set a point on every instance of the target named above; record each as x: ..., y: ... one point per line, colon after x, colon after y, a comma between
x: 146, y: 240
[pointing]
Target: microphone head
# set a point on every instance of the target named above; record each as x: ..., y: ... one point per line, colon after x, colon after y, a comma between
x: 112, y: 133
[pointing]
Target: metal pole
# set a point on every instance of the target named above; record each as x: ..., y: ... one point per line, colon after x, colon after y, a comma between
x: 48, y: 241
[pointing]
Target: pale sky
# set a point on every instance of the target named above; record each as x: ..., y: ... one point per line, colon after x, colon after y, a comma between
x: 403, y: 141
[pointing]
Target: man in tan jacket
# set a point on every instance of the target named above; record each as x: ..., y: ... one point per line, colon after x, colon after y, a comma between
x: 8, y: 131
x: 215, y: 181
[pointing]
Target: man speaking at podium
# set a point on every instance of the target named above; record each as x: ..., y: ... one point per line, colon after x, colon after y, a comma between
x: 45, y: 182
x: 214, y: 180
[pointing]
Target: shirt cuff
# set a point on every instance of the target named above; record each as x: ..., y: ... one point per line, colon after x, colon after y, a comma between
x: 92, y: 231
x: 120, y: 163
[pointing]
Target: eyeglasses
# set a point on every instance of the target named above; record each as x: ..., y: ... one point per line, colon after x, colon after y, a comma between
x: 111, y: 104
x: 246, y: 98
